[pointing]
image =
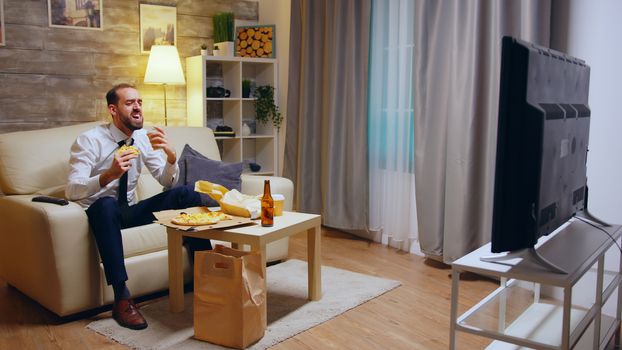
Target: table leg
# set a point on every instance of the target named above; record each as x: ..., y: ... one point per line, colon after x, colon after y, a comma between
x: 261, y: 248
x: 503, y: 299
x: 175, y: 271
x: 314, y: 263
x: 599, y: 301
x: 455, y: 285
x: 565, y: 341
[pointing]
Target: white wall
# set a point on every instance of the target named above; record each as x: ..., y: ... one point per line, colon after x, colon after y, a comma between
x: 591, y: 31
x: 278, y: 12
x: 594, y: 35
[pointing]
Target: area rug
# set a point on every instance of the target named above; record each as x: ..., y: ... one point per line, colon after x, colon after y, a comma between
x: 289, y: 311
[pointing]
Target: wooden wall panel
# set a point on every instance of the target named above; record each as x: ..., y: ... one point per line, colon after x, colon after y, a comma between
x: 121, y: 15
x: 76, y: 40
x: 17, y: 109
x: 45, y: 62
x: 153, y: 112
x: 115, y: 65
x: 247, y: 10
x: 125, y: 5
x: 156, y: 92
x: 189, y: 46
x: 68, y: 108
x: 25, y: 36
x: 70, y: 86
x: 194, y: 26
x: 19, y: 85
x: 53, y: 77
x: 34, y: 12
x: 31, y: 125
x: 44, y: 109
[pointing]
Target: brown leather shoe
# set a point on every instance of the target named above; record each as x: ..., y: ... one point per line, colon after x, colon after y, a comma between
x: 127, y: 315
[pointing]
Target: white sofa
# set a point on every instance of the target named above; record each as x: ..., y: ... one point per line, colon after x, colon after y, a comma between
x: 47, y: 251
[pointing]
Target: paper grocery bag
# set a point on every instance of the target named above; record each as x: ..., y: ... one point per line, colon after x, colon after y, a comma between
x: 229, y: 297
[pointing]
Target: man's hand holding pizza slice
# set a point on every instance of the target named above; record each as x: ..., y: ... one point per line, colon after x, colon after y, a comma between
x: 121, y: 163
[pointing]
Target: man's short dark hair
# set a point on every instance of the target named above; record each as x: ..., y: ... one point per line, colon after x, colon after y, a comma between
x: 111, y: 97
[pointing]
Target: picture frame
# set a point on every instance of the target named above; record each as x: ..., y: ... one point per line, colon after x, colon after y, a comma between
x: 158, y: 26
x: 262, y: 44
x: 76, y: 14
x: 2, y: 37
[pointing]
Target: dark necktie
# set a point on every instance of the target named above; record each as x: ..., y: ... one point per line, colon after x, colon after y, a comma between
x: 122, y: 196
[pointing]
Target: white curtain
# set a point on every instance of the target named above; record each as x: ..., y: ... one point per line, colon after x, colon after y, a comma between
x: 393, y: 213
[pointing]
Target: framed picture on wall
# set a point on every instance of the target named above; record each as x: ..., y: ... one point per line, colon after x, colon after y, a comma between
x: 76, y: 14
x: 158, y: 26
x: 2, y: 39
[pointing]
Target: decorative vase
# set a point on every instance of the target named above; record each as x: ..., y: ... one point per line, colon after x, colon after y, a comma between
x: 254, y: 167
x: 203, y: 52
x: 225, y: 48
x: 246, y: 130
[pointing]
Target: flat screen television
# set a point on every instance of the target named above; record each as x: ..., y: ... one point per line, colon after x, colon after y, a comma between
x: 542, y: 143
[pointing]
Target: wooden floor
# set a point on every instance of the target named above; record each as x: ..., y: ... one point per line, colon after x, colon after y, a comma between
x: 412, y: 316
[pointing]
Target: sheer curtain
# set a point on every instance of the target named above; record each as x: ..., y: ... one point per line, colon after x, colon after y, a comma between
x: 393, y: 213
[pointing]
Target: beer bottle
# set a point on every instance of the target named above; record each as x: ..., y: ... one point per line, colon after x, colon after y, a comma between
x: 267, y: 206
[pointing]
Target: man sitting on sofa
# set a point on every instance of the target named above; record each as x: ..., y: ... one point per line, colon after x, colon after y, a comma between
x: 103, y: 180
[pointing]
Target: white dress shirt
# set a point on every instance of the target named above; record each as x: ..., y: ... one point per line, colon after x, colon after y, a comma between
x: 92, y: 154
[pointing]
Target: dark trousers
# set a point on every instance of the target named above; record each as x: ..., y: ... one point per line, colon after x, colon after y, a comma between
x: 107, y: 219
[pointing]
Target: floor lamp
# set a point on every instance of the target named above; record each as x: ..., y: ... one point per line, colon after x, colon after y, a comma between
x: 164, y: 67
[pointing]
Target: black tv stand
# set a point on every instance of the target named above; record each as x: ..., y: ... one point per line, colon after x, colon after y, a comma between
x: 528, y: 254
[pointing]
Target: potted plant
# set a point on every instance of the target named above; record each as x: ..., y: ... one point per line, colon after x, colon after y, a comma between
x: 246, y: 88
x: 203, y: 50
x: 223, y: 33
x: 265, y: 108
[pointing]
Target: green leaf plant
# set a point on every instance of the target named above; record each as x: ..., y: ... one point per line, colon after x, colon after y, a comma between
x: 223, y: 27
x: 265, y: 108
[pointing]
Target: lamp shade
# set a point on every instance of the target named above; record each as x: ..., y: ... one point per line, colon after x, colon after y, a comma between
x: 164, y: 66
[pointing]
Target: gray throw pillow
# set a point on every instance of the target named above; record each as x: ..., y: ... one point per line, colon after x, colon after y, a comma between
x: 187, y: 151
x: 198, y: 167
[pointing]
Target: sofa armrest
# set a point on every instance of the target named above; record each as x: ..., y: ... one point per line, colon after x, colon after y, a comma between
x: 47, y: 252
x: 253, y: 184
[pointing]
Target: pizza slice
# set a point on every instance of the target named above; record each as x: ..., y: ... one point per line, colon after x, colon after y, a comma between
x: 124, y: 148
x: 198, y: 219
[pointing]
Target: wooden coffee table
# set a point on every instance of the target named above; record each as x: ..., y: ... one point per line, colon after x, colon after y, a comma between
x: 257, y: 237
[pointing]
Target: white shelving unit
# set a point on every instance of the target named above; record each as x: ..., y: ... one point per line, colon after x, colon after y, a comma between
x: 544, y: 324
x: 204, y: 71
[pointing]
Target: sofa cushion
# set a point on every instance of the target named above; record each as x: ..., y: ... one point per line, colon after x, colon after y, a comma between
x: 146, y: 239
x: 56, y: 191
x: 34, y: 160
x: 194, y: 167
x: 225, y: 174
x: 202, y: 139
x: 143, y: 239
x: 187, y: 151
x: 147, y: 186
